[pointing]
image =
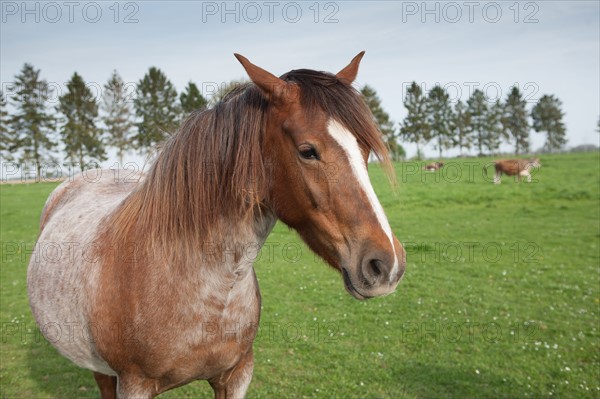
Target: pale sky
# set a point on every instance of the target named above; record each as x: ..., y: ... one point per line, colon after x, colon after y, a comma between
x: 545, y: 47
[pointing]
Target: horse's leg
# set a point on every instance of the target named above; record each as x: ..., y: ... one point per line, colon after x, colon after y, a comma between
x: 133, y: 386
x: 107, y: 385
x: 234, y: 383
x: 497, y: 177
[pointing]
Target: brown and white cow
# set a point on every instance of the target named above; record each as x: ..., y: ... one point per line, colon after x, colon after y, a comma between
x: 515, y: 167
x: 432, y: 167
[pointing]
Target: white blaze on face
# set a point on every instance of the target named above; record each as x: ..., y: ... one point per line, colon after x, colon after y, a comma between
x: 349, y: 144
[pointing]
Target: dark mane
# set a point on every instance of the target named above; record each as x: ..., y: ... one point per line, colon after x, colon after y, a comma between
x: 212, y: 169
x: 343, y: 103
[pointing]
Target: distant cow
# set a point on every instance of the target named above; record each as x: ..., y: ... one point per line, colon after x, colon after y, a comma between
x: 515, y: 167
x: 432, y: 167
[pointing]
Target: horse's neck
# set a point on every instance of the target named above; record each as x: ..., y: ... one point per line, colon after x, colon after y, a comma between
x: 225, y: 254
x: 227, y: 277
x: 240, y: 243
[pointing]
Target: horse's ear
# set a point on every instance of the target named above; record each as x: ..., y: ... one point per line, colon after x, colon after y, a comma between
x: 273, y: 87
x: 348, y: 74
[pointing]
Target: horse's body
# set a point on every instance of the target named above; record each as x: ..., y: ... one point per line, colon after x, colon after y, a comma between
x: 515, y: 167
x: 213, y: 312
x: 434, y: 166
x: 69, y: 225
x: 150, y: 284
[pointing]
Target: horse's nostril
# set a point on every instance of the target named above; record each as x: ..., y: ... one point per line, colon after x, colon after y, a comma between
x: 374, y: 268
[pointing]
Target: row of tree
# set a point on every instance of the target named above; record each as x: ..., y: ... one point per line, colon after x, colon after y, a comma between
x: 479, y: 123
x: 85, y: 125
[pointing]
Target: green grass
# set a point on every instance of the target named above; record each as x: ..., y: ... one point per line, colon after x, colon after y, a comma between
x: 501, y: 297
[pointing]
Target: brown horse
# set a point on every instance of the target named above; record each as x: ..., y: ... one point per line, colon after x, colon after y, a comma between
x: 515, y: 167
x: 154, y: 286
x: 434, y: 166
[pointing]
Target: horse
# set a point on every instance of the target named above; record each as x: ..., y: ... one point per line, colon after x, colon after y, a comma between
x: 515, y: 167
x: 434, y: 166
x: 157, y: 288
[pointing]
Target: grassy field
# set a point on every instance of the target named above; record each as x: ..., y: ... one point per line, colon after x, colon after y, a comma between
x: 501, y: 297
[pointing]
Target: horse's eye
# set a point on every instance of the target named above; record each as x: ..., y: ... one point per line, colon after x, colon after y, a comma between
x: 308, y: 152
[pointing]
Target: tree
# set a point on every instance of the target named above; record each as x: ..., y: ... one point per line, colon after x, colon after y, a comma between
x: 493, y: 128
x: 516, y: 121
x: 191, y: 99
x: 477, y: 109
x: 79, y: 133
x: 117, y: 116
x: 385, y: 125
x: 415, y: 128
x: 31, y: 124
x: 156, y: 107
x: 462, y: 127
x: 440, y: 117
x: 7, y: 140
x: 547, y: 117
x: 225, y: 89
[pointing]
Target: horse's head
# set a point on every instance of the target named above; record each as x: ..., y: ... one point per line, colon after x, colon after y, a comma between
x: 535, y: 163
x: 318, y: 138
